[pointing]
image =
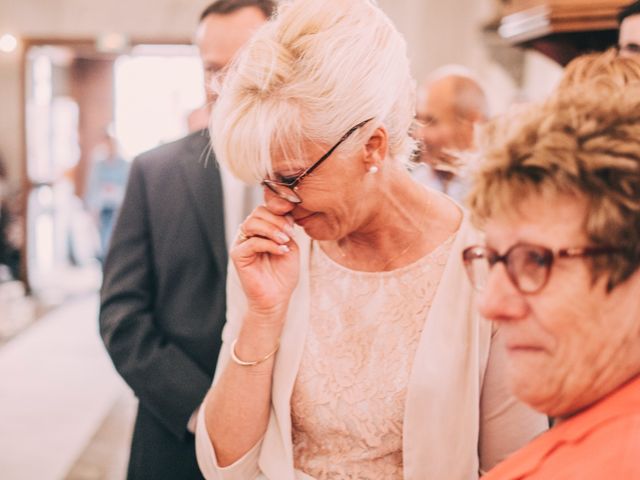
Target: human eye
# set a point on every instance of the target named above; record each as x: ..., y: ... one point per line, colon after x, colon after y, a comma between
x: 536, y: 257
x: 529, y: 260
x: 287, y: 179
x: 631, y: 47
x: 426, y: 120
x: 529, y: 266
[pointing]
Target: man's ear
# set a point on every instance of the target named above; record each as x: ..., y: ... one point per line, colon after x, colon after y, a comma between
x: 376, y: 148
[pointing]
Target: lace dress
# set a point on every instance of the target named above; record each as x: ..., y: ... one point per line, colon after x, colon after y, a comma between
x: 348, y: 400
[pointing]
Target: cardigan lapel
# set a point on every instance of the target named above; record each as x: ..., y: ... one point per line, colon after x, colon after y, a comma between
x: 445, y: 378
x: 286, y: 368
x: 202, y: 176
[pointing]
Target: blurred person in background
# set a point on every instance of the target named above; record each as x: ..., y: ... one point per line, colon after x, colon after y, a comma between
x: 198, y: 118
x: 559, y: 200
x: 105, y: 187
x: 450, y: 104
x: 163, y: 297
x: 351, y: 348
x: 11, y: 237
x: 629, y: 35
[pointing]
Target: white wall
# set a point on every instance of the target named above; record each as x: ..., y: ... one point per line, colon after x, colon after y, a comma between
x: 50, y: 18
x: 442, y: 32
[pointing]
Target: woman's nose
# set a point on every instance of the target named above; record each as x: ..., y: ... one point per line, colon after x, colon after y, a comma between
x: 500, y: 300
x: 276, y: 204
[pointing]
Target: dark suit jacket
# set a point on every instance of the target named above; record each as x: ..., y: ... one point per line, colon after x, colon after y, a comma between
x: 163, y: 299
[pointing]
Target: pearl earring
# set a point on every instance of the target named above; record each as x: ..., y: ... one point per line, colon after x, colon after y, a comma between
x: 373, y: 169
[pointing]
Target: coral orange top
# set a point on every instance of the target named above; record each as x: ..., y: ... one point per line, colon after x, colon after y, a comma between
x: 603, y: 441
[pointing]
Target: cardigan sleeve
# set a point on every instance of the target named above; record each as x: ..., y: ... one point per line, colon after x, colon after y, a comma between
x: 245, y: 468
x: 506, y: 424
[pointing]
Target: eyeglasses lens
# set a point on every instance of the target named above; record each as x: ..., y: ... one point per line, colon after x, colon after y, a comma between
x: 283, y: 191
x: 528, y: 267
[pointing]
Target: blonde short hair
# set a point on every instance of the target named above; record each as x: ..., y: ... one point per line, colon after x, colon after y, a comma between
x: 309, y: 75
x: 584, y: 141
x: 607, y: 66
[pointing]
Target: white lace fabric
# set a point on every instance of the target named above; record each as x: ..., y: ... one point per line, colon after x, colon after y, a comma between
x: 348, y: 400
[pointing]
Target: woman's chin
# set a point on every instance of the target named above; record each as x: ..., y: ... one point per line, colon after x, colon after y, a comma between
x: 312, y: 226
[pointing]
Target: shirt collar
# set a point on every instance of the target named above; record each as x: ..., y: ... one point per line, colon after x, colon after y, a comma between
x: 621, y: 402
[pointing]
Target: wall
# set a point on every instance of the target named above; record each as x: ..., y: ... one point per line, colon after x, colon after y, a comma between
x: 437, y: 33
x: 440, y: 33
x: 73, y: 19
x: 10, y: 145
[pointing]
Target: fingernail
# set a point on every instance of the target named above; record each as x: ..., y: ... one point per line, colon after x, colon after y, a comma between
x: 289, y: 229
x: 283, y: 249
x: 282, y: 237
x: 290, y: 219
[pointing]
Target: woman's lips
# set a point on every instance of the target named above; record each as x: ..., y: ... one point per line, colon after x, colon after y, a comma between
x: 302, y: 220
x: 521, y: 348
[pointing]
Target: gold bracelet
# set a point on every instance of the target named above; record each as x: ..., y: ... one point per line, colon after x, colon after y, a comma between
x: 237, y: 360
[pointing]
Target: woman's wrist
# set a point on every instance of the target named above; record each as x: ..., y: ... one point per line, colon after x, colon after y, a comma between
x: 251, y: 363
x: 253, y: 348
x: 266, y: 317
x: 260, y: 335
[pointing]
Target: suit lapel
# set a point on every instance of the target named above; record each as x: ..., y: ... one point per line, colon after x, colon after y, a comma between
x: 202, y: 176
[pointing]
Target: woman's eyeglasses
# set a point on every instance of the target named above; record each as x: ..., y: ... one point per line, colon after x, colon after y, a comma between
x: 528, y: 266
x: 287, y: 190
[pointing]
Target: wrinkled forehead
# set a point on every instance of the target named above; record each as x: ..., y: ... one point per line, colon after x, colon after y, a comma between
x: 546, y: 217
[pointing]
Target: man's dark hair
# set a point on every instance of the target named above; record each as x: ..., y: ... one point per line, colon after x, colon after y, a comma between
x: 628, y: 11
x: 225, y: 7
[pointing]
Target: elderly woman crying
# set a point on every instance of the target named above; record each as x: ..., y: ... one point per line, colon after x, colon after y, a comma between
x: 351, y: 348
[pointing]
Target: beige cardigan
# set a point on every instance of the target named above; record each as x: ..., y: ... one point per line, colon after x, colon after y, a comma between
x: 459, y: 419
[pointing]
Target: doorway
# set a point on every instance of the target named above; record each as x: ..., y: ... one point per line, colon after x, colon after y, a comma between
x: 74, y: 96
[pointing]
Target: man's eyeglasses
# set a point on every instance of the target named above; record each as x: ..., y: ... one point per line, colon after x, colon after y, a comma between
x: 287, y: 190
x: 528, y: 266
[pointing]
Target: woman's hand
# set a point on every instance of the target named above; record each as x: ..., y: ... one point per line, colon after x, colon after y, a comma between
x: 267, y: 260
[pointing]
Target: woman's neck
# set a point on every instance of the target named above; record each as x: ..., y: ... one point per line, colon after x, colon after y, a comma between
x: 413, y: 222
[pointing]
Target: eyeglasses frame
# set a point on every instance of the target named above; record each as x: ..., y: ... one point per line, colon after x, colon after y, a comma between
x: 552, y: 255
x: 293, y: 185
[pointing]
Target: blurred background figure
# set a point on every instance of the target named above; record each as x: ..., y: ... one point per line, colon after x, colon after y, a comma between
x: 198, y: 119
x: 629, y: 20
x: 105, y: 187
x: 450, y: 104
x: 11, y: 237
x: 163, y: 296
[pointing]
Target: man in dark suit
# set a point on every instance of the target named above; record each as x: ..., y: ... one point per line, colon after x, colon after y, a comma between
x: 163, y: 296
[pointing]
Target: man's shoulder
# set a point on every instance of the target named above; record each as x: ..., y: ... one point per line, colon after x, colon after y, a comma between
x: 196, y: 145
